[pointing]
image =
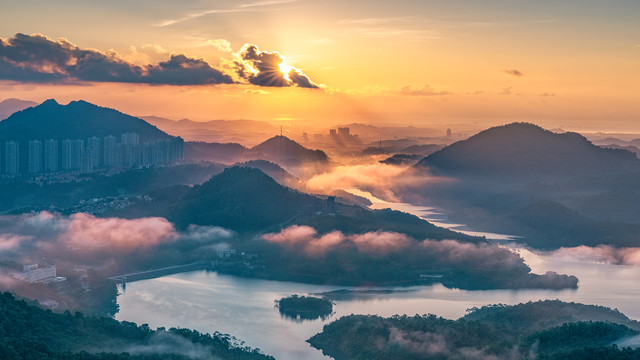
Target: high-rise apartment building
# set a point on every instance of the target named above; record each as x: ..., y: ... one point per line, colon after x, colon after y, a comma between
x: 51, y: 152
x: 12, y: 157
x: 35, y: 157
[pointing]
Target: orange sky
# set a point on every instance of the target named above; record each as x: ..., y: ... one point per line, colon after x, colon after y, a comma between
x: 572, y: 65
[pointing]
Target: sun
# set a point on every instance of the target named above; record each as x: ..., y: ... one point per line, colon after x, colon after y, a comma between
x: 285, y: 68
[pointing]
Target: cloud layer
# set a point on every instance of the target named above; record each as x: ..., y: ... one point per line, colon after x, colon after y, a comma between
x: 82, y: 238
x: 39, y: 59
x: 481, y: 256
x: 600, y: 254
x: 36, y: 58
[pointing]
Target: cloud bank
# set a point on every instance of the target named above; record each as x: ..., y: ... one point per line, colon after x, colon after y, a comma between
x: 482, y: 256
x: 36, y: 58
x: 83, y: 238
x: 39, y: 59
x: 600, y: 254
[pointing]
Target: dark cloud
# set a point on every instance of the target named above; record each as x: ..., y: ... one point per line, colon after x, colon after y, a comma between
x: 514, y: 72
x: 36, y: 58
x: 264, y: 69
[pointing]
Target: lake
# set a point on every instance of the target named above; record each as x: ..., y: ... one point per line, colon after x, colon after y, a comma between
x: 208, y: 301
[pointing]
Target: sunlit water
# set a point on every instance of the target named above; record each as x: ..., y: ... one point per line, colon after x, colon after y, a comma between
x: 244, y: 308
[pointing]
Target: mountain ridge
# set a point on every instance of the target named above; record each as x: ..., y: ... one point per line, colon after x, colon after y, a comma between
x: 527, y: 150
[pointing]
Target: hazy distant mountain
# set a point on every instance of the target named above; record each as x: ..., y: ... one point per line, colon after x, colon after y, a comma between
x: 423, y: 150
x: 10, y: 106
x: 288, y: 152
x: 77, y: 120
x: 214, y: 130
x: 387, y: 132
x: 631, y: 148
x: 278, y: 149
x: 523, y: 150
x: 226, y: 153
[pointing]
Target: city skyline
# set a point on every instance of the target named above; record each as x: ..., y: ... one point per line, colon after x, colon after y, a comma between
x: 51, y: 156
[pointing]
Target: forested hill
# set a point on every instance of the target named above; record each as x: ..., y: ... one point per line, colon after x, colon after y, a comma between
x: 544, y: 330
x: 77, y: 120
x: 527, y: 150
x: 29, y: 332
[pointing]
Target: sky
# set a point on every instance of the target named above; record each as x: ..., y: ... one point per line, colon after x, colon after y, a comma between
x: 570, y: 64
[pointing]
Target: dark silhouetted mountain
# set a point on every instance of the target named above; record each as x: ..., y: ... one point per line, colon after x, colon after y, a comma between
x: 242, y: 199
x: 522, y: 150
x: 423, y: 150
x: 551, y: 330
x: 228, y: 153
x: 288, y: 152
x: 77, y: 120
x: 10, y: 106
x: 402, y: 159
x: 30, y: 332
x: 551, y: 225
x: 274, y: 170
x: 246, y: 199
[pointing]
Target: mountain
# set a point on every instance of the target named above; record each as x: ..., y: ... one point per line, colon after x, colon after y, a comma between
x: 243, y: 199
x: 283, y: 150
x: 548, y: 329
x: 226, y: 153
x: 274, y: 170
x: 77, y: 120
x: 423, y: 150
x: 521, y: 150
x: 401, y: 159
x: 213, y: 130
x: 247, y: 199
x: 278, y: 149
x: 30, y: 332
x: 10, y: 106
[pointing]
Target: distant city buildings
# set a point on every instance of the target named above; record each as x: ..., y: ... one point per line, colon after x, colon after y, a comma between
x: 35, y: 156
x: 87, y: 156
x: 11, y: 158
x: 51, y: 150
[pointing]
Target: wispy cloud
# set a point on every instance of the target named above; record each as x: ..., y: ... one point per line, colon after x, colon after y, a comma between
x: 266, y: 3
x: 197, y: 15
x: 238, y: 8
x: 425, y: 91
x: 514, y: 72
x: 405, y: 27
x: 380, y: 20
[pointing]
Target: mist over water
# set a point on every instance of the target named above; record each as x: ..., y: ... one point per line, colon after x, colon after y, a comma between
x: 209, y: 302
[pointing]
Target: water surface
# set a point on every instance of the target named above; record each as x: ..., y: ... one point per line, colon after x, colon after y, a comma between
x: 208, y: 302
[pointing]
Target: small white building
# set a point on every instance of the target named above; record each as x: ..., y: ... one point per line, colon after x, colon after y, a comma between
x: 226, y: 253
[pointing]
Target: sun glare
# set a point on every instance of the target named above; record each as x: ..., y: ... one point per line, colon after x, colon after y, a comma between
x: 285, y: 68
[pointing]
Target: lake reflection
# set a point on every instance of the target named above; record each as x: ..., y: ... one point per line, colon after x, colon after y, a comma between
x: 244, y: 308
